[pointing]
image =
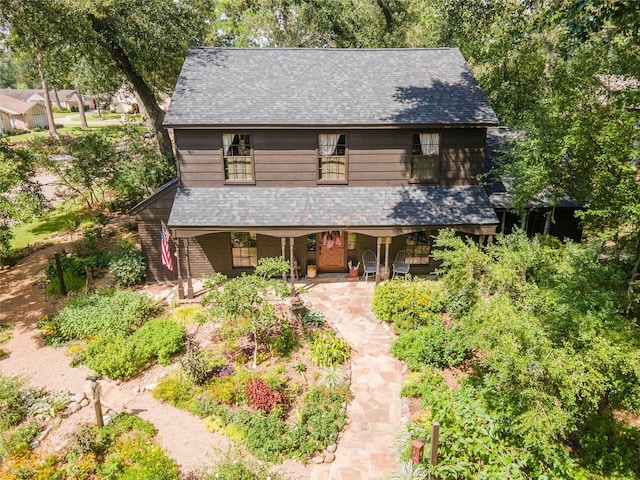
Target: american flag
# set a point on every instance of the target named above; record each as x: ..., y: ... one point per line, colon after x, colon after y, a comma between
x: 166, y: 251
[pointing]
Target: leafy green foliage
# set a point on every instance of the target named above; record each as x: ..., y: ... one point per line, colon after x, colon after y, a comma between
x: 72, y: 284
x: 245, y: 299
x: 20, y: 196
x: 321, y: 418
x: 327, y: 349
x: 408, y: 305
x: 127, y: 264
x: 433, y: 345
x: 116, y: 313
x: 122, y: 357
x: 236, y: 467
x: 555, y: 357
x: 125, y: 448
x: 314, y: 318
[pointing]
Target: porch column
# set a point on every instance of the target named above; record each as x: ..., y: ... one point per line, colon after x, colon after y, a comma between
x: 291, y: 241
x: 189, y: 283
x: 180, y: 285
x: 386, y: 255
x: 283, y: 244
x: 504, y: 221
x: 481, y: 241
x: 523, y: 221
x: 378, y: 241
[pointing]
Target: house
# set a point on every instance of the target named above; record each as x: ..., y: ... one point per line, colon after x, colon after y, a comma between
x: 16, y: 115
x: 68, y: 98
x: 317, y: 155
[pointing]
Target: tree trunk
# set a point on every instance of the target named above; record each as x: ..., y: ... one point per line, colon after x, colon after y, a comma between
x: 83, y: 117
x: 56, y: 98
x: 155, y: 113
x: 388, y: 16
x: 47, y: 100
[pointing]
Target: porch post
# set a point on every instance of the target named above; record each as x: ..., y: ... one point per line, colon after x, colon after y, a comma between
x: 481, y: 242
x: 386, y: 256
x: 283, y: 244
x: 189, y: 283
x: 523, y: 222
x: 180, y: 285
x: 504, y: 220
x: 378, y: 240
x: 291, y: 272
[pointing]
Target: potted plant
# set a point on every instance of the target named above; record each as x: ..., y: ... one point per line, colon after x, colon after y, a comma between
x: 353, y: 269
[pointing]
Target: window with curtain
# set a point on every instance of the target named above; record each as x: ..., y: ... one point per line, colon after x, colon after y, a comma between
x: 238, y: 162
x: 332, y: 156
x: 425, y: 157
x: 244, y: 249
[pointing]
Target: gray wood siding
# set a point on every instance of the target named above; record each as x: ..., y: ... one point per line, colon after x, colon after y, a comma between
x: 288, y: 158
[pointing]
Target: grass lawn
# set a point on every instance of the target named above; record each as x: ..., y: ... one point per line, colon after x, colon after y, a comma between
x: 74, y: 130
x: 60, y: 219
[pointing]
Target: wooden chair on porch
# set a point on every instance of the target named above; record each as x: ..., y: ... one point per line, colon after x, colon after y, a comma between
x: 401, y: 264
x: 370, y: 264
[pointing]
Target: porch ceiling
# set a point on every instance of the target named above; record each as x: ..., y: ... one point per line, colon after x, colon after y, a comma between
x: 370, y: 210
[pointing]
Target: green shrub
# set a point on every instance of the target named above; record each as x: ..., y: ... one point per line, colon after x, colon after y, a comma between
x: 89, y: 242
x: 433, y: 345
x: 72, y: 284
x: 241, y: 468
x: 408, y: 304
x: 314, y: 318
x: 114, y: 357
x: 327, y: 349
x: 16, y: 441
x: 123, y: 357
x: 76, y: 265
x: 117, y: 313
x: 127, y: 265
x: 177, y: 389
x: 283, y: 342
x: 159, y: 338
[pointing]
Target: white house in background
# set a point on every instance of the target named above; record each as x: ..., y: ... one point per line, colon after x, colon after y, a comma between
x: 16, y: 115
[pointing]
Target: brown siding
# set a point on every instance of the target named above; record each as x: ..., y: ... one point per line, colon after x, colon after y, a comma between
x: 288, y: 158
x: 149, y: 233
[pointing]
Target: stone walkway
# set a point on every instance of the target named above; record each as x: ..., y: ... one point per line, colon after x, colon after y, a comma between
x: 365, y: 448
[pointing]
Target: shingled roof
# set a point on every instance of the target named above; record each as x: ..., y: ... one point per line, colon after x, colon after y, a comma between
x: 327, y: 87
x: 354, y: 207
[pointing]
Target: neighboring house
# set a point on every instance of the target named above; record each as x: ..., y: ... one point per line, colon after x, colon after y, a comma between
x: 68, y: 98
x: 317, y: 155
x: 541, y: 216
x: 16, y: 115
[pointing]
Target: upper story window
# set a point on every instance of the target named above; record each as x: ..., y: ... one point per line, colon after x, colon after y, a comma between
x: 425, y: 157
x: 332, y: 156
x: 238, y: 162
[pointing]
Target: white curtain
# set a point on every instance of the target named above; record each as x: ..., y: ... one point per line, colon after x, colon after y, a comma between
x: 328, y: 143
x: 227, y: 141
x: 429, y: 142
